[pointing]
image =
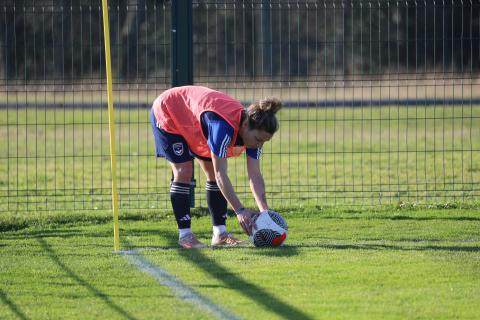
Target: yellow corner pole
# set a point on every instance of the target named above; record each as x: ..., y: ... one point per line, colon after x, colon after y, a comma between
x: 111, y: 126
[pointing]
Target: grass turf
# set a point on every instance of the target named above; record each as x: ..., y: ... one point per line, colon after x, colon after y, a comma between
x: 337, y: 264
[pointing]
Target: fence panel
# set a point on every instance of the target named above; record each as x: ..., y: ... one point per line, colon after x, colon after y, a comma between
x: 381, y: 99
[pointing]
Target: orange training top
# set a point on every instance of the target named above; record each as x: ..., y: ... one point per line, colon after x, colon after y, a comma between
x: 178, y: 111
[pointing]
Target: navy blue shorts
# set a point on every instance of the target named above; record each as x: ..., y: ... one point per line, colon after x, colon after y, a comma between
x: 172, y: 147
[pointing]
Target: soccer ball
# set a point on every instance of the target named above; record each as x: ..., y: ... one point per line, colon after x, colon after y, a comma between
x: 269, y: 229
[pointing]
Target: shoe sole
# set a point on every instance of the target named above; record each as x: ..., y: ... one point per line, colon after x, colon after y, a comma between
x: 228, y: 244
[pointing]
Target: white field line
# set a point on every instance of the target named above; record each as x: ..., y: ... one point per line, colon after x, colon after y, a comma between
x: 181, y: 290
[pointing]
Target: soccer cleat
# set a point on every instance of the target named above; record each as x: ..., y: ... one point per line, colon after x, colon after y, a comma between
x: 225, y: 239
x: 190, y: 242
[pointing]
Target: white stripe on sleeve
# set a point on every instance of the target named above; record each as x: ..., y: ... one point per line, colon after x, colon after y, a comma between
x: 224, y: 146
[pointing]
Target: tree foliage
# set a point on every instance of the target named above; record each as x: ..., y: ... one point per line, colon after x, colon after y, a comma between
x: 63, y: 39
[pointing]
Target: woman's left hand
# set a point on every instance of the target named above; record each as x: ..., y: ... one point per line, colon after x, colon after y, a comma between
x: 244, y: 217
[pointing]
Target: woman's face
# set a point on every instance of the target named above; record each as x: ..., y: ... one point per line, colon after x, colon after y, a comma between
x: 255, y: 138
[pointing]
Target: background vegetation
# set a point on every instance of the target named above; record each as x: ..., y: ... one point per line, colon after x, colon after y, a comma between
x: 63, y: 39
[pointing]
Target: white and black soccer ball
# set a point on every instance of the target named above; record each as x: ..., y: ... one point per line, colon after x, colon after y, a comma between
x: 269, y: 229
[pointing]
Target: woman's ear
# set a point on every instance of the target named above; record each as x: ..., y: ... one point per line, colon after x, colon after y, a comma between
x: 245, y: 124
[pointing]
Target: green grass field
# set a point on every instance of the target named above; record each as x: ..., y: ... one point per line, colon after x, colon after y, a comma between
x: 337, y: 264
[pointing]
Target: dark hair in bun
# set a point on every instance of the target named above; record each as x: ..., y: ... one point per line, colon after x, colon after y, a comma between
x: 261, y: 115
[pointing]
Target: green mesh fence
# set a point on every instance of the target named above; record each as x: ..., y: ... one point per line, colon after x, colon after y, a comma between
x: 382, y: 99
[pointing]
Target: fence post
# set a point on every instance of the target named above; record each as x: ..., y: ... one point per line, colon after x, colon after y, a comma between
x: 266, y: 35
x: 181, y: 43
x: 182, y: 56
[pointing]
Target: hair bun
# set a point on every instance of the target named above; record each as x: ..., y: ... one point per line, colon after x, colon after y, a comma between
x: 270, y: 105
x: 261, y: 115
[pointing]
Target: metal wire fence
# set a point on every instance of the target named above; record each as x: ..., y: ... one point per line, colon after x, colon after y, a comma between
x: 381, y: 99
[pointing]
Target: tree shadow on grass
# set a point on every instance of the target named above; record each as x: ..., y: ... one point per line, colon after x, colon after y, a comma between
x: 52, y: 233
x: 398, y: 217
x: 99, y: 294
x: 459, y: 218
x: 377, y: 247
x: 283, y: 251
x: 232, y: 281
x: 13, y: 307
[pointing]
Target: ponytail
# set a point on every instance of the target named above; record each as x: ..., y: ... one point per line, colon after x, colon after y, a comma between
x: 261, y: 115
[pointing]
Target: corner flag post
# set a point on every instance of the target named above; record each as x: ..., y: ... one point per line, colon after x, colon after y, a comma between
x: 111, y: 126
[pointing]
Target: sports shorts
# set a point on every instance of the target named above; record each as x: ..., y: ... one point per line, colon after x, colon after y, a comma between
x: 172, y: 147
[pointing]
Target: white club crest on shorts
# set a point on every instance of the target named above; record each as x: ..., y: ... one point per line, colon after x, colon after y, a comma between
x: 178, y: 148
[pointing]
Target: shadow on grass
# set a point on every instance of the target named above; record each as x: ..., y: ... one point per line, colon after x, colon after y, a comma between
x: 235, y: 282
x: 291, y: 249
x: 55, y: 233
x: 461, y: 218
x: 397, y: 217
x: 108, y: 301
x: 387, y: 247
x: 13, y: 307
x: 283, y: 251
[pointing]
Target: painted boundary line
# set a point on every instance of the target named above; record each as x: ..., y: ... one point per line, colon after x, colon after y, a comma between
x: 181, y: 290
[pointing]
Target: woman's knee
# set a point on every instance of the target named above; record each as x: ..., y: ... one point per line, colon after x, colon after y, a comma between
x: 182, y: 172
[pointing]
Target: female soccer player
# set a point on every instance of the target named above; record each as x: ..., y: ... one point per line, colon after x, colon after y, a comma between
x: 197, y: 122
